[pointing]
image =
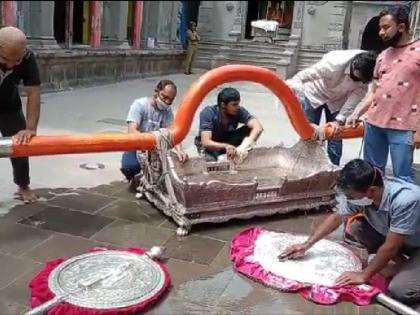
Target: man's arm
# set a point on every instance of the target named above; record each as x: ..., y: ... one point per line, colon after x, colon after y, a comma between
x: 33, y: 107
x: 190, y: 35
x: 328, y: 226
x: 32, y: 83
x: 209, y: 144
x: 133, y: 128
x: 363, y: 107
x: 256, y: 129
x: 351, y: 103
x: 388, y: 250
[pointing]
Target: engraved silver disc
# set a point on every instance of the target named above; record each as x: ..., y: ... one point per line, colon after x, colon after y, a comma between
x: 107, y: 279
x: 322, y: 264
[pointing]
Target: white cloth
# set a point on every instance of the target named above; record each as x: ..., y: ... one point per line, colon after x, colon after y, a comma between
x: 266, y: 25
x: 243, y: 149
x: 328, y: 82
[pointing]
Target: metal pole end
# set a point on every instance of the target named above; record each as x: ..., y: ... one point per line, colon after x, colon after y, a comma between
x: 6, y: 147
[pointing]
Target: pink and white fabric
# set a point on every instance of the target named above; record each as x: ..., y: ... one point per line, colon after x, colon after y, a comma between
x: 254, y: 253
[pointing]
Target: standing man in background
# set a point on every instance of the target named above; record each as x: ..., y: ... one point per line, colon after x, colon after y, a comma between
x: 17, y: 63
x: 393, y: 104
x: 193, y: 38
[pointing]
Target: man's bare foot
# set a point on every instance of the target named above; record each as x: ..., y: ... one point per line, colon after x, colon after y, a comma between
x: 27, y: 195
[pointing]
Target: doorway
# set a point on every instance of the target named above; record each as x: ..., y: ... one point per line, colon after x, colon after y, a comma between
x: 80, y: 22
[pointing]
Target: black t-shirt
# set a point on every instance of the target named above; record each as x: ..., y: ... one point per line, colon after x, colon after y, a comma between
x: 27, y: 72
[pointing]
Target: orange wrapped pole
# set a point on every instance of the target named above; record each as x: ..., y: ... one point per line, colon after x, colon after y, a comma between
x: 50, y: 145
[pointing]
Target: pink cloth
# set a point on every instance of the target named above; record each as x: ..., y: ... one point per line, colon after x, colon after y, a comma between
x: 397, y: 98
x: 242, y: 247
x: 41, y: 293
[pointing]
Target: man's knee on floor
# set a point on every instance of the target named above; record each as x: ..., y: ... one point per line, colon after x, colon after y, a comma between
x: 404, y: 291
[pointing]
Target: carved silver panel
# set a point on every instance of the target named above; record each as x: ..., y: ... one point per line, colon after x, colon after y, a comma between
x: 120, y: 279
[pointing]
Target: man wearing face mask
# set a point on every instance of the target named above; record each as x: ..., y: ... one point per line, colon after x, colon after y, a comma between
x: 390, y: 228
x: 219, y: 133
x: 336, y: 84
x: 150, y: 114
x: 17, y: 63
x: 393, y: 105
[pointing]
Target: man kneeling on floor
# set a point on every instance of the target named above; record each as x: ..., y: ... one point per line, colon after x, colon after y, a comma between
x: 389, y: 228
x: 219, y: 133
x: 148, y: 114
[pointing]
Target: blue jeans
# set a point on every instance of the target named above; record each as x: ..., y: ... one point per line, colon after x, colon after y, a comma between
x: 335, y: 147
x: 130, y: 166
x: 379, y: 142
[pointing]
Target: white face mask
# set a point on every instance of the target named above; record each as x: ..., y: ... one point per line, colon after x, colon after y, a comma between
x: 363, y: 202
x: 161, y: 105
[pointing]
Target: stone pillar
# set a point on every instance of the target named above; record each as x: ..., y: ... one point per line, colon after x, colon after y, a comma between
x: 137, y: 23
x: 96, y: 23
x: 8, y: 13
x: 205, y: 20
x: 114, y: 23
x: 334, y: 38
x: 40, y: 24
x: 297, y: 22
x: 165, y: 22
x: 235, y: 33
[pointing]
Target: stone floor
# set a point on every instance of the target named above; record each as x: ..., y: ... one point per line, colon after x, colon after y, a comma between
x: 67, y: 222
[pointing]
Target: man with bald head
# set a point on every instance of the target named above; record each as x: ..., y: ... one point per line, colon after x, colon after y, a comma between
x: 17, y: 64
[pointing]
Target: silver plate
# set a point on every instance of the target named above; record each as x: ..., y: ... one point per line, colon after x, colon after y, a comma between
x: 141, y: 281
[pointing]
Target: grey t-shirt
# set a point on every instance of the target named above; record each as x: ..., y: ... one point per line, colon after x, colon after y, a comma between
x: 399, y: 211
x: 147, y: 116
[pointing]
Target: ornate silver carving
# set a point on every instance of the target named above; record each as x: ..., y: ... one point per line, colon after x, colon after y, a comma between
x: 322, y: 264
x: 297, y: 178
x: 126, y: 279
x: 6, y: 147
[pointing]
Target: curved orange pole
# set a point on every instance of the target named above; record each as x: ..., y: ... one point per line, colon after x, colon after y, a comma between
x: 267, y: 78
x: 50, y: 145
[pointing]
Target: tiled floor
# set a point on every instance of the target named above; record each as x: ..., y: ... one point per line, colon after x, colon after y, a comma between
x: 68, y: 222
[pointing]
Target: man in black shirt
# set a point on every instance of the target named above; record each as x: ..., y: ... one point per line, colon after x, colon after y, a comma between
x: 17, y: 63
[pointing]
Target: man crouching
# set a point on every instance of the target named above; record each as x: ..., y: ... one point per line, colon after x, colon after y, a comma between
x: 219, y: 133
x: 390, y: 227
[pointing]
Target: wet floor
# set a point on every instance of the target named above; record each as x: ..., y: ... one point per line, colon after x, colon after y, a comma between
x: 67, y: 222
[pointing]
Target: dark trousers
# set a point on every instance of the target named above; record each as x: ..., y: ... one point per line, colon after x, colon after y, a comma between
x: 235, y: 138
x: 10, y: 124
x: 130, y: 165
x: 405, y: 286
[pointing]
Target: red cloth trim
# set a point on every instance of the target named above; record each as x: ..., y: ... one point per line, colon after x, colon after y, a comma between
x: 242, y: 246
x: 41, y: 293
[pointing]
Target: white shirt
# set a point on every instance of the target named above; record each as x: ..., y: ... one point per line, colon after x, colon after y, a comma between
x: 328, y: 82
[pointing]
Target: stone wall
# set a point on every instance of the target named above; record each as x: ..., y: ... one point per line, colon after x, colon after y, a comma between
x: 61, y: 70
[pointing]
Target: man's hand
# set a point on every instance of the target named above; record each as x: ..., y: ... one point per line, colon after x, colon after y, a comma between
x: 24, y: 136
x: 417, y: 139
x: 351, y: 278
x: 294, y: 252
x: 352, y: 120
x: 242, y: 150
x: 230, y: 151
x: 182, y: 156
x: 336, y: 128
